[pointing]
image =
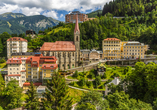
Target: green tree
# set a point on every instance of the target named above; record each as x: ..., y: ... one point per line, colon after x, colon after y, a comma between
x: 12, y: 96
x: 32, y: 102
x: 92, y: 100
x: 76, y: 74
x: 121, y: 101
x: 56, y: 96
x: 1, y: 46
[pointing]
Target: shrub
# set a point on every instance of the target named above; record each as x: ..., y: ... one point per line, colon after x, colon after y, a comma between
x: 2, y: 61
x: 102, y: 86
x: 91, y: 75
x: 104, y: 76
x: 89, y: 83
x: 82, y: 82
x: 76, y: 74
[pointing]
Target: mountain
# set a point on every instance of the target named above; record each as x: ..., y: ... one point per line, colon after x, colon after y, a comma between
x: 19, y: 23
x: 94, y: 13
x: 10, y: 15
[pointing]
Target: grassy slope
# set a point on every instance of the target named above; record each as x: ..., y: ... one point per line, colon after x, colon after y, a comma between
x: 94, y: 14
x: 75, y: 94
x: 58, y: 29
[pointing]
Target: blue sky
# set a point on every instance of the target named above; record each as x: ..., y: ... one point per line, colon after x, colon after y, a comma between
x: 56, y: 9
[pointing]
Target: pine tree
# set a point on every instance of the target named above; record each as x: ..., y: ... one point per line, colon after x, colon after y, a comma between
x: 32, y: 100
x: 56, y: 96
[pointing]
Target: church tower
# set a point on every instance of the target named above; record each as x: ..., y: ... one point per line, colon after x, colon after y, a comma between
x: 77, y: 41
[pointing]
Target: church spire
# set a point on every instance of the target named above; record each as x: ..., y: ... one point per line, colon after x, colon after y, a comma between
x: 76, y: 25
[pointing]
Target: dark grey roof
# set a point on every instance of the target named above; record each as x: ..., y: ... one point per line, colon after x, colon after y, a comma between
x: 22, y: 53
x: 4, y: 72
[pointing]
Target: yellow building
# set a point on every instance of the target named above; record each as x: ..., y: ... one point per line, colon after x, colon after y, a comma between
x: 39, y: 67
x: 113, y: 48
x: 133, y: 50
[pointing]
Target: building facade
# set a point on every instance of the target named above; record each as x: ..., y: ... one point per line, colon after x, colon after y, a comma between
x: 16, y: 70
x: 114, y: 48
x: 15, y: 45
x: 40, y: 67
x: 71, y: 18
x: 111, y: 48
x: 66, y: 52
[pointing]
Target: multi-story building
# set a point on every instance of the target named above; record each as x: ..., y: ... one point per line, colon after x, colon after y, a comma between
x: 16, y: 70
x: 22, y: 54
x: 40, y: 67
x: 114, y: 48
x: 111, y: 48
x: 71, y: 17
x: 133, y: 50
x: 15, y: 45
x: 67, y: 52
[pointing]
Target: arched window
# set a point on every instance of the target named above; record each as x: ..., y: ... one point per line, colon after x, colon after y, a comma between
x: 76, y: 38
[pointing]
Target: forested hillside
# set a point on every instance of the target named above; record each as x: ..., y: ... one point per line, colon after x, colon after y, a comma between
x: 129, y: 7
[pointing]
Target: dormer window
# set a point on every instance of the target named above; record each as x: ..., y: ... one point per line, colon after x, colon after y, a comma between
x: 44, y: 66
x: 51, y: 66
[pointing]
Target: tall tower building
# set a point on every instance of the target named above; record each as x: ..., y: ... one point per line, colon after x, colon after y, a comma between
x: 77, y: 41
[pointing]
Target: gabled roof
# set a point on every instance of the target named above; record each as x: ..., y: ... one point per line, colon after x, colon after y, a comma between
x: 35, y: 84
x: 14, y: 61
x: 112, y: 39
x: 50, y: 66
x: 17, y: 39
x: 58, y: 46
x: 76, y: 25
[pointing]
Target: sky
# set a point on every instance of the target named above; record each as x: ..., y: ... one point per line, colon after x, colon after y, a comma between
x: 56, y: 9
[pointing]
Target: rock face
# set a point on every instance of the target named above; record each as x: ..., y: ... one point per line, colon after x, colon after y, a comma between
x: 19, y: 23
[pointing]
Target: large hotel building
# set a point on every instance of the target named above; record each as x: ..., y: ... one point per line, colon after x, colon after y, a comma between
x: 16, y: 45
x: 71, y: 17
x: 114, y: 48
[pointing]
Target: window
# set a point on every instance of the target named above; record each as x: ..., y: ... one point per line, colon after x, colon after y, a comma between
x: 23, y: 80
x: 44, y: 74
x: 17, y: 64
x: 29, y: 72
x: 17, y: 72
x: 29, y: 76
x: 29, y: 65
x: 29, y: 68
x: 23, y: 76
x: 13, y: 68
x: 10, y: 69
x: 17, y: 68
x: 10, y: 72
x: 51, y: 70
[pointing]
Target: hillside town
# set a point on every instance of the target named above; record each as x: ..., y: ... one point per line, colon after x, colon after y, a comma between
x: 80, y: 64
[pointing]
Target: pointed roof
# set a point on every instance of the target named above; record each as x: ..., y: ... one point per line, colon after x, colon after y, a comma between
x: 76, y: 25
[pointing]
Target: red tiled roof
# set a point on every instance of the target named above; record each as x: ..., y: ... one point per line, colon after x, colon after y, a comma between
x: 58, y: 46
x: 17, y: 39
x: 35, y: 84
x: 76, y: 25
x: 14, y: 61
x: 23, y: 70
x: 112, y: 39
x: 50, y: 66
x: 14, y: 75
x: 40, y: 59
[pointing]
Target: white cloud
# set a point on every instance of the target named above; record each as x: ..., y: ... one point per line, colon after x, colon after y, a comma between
x: 52, y: 14
x: 68, y: 5
x: 31, y: 11
x: 7, y: 8
x: 61, y: 15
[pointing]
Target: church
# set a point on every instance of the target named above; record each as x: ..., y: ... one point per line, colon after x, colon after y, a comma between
x: 66, y: 52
